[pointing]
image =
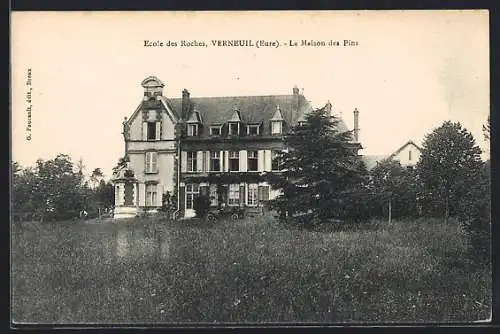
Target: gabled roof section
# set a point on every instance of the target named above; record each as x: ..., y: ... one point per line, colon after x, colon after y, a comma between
x: 152, y: 81
x: 135, y: 113
x: 277, y: 116
x: 166, y: 106
x: 408, y: 143
x: 236, y: 116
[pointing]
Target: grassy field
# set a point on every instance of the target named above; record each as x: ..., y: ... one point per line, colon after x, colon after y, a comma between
x: 144, y: 271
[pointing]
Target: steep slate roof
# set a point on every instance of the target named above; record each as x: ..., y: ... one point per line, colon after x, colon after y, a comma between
x: 252, y: 109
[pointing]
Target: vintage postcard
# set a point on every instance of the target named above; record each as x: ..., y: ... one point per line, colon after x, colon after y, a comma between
x: 212, y: 168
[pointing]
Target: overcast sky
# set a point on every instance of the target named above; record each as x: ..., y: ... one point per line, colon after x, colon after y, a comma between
x: 410, y: 72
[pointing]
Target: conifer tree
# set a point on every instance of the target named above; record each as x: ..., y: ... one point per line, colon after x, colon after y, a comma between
x: 321, y: 172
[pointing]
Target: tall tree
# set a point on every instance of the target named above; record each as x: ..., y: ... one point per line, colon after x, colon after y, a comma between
x: 449, y: 165
x: 105, y: 193
x: 96, y: 176
x: 25, y: 198
x: 80, y: 170
x: 396, y: 188
x: 320, y: 168
x: 59, y: 185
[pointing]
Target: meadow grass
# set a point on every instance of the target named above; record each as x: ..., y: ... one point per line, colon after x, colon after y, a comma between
x: 249, y: 271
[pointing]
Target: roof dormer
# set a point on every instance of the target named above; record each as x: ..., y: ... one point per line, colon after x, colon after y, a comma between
x: 277, y: 122
x: 301, y: 121
x: 193, y: 124
x: 152, y: 87
x: 234, y: 123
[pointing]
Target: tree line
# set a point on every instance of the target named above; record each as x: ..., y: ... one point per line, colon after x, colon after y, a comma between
x: 325, y: 180
x: 57, y: 189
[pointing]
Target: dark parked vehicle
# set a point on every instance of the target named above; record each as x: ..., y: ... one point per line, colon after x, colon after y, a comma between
x: 232, y: 212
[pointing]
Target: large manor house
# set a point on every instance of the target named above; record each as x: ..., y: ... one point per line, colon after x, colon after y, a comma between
x: 222, y: 147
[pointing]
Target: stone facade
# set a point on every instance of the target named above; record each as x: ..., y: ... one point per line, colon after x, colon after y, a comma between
x: 219, y: 146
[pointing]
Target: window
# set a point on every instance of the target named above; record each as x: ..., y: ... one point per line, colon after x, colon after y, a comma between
x: 215, y: 131
x: 150, y: 194
x: 234, y: 129
x: 151, y: 115
x: 215, y: 161
x: 409, y: 155
x: 234, y: 161
x: 253, y: 130
x: 252, y: 161
x: 192, y: 190
x: 128, y: 194
x: 275, y: 160
x: 234, y: 194
x: 191, y: 162
x: 151, y: 162
x: 151, y: 130
x: 213, y: 195
x: 252, y: 195
x: 192, y: 130
x: 275, y: 128
x: 264, y: 193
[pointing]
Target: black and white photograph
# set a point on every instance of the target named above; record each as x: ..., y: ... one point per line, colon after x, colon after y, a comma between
x: 231, y: 168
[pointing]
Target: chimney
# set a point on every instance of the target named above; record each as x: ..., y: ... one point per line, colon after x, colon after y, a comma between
x: 186, y: 104
x: 356, y: 125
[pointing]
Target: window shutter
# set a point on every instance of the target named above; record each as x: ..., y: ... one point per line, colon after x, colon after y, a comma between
x: 183, y: 161
x: 199, y: 161
x: 207, y: 161
x: 142, y: 194
x: 226, y: 161
x: 243, y: 161
x: 154, y: 162
x: 158, y: 130
x: 260, y: 160
x: 221, y: 162
x: 267, y: 161
x: 144, y: 131
x: 159, y: 194
x: 147, y: 162
x: 265, y: 193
